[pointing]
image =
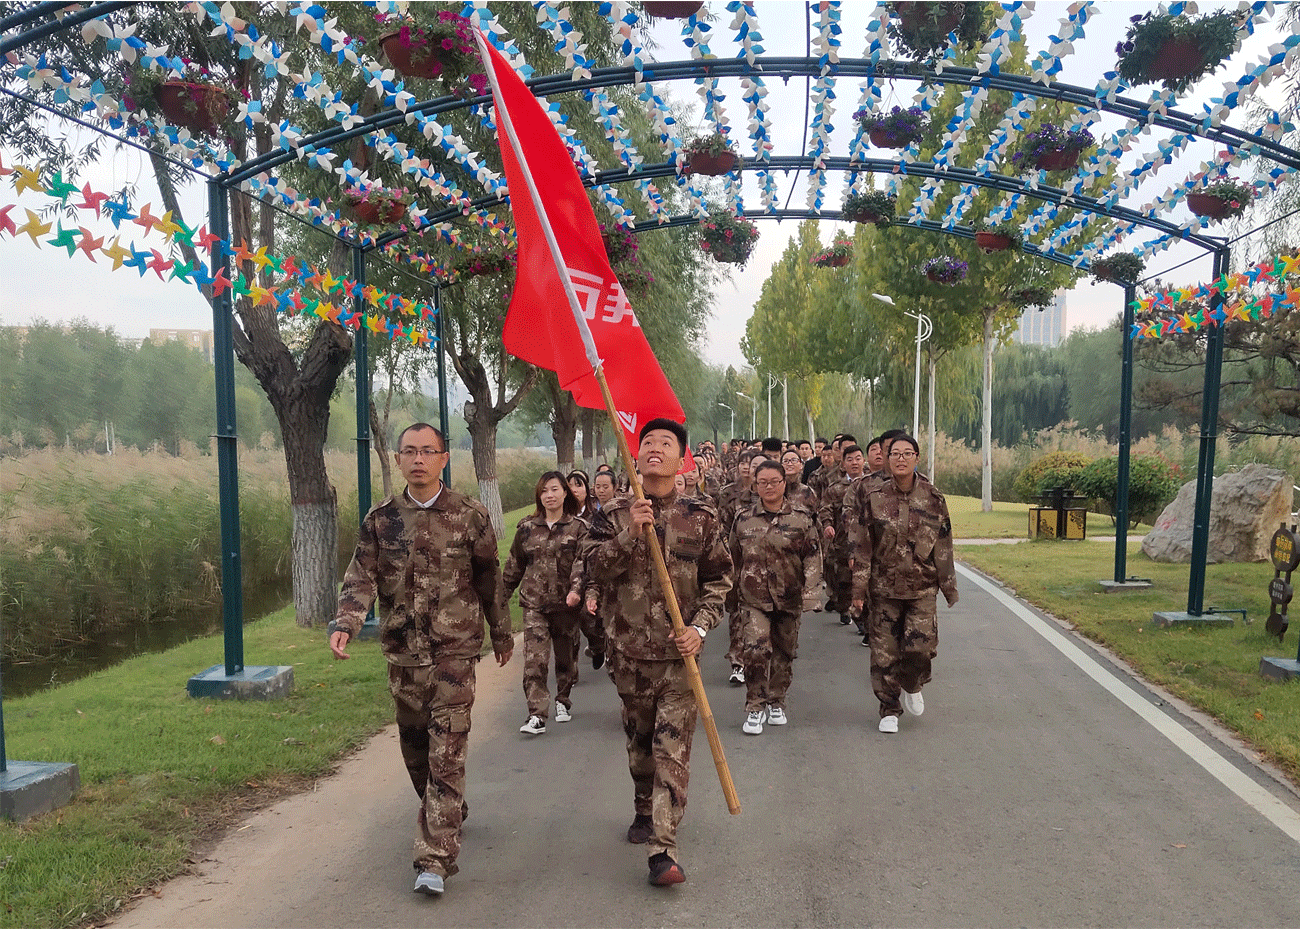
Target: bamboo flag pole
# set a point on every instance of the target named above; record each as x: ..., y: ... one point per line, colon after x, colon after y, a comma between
x: 629, y: 463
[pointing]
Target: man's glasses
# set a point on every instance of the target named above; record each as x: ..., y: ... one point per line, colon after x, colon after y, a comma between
x: 422, y: 452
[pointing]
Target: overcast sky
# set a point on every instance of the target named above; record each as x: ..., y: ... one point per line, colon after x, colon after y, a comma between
x: 46, y: 283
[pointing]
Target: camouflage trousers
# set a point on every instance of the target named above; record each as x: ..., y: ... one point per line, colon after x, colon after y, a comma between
x: 770, y: 641
x: 839, y: 579
x: 544, y: 632
x: 593, y: 628
x: 433, y: 705
x: 904, y: 637
x: 735, y: 623
x: 659, y: 722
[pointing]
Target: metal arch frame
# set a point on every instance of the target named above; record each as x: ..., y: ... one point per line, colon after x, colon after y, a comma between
x: 995, y: 181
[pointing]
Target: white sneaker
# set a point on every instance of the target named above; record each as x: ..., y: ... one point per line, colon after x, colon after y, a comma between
x: 534, y: 725
x: 737, y: 675
x: 776, y: 715
x: 913, y: 703
x: 429, y: 883
x: 754, y: 722
x: 889, y: 724
x: 562, y: 713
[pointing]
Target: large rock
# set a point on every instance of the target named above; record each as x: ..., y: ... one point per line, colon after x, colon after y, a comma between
x: 1245, y: 510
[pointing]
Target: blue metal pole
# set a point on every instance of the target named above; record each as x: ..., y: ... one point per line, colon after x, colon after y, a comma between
x: 4, y: 758
x: 442, y: 380
x: 223, y: 348
x: 1125, y: 438
x: 363, y: 383
x: 1205, y: 461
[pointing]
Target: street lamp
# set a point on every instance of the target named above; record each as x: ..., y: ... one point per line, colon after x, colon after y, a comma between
x: 924, y: 328
x: 752, y: 407
x: 733, y: 419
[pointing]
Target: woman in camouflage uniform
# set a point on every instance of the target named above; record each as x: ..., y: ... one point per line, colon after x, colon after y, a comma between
x: 541, y: 564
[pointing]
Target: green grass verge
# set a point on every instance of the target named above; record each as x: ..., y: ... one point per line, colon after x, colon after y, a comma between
x: 1215, y: 668
x: 1011, y: 520
x: 161, y: 773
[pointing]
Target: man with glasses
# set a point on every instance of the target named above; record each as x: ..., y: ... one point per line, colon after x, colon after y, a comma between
x: 902, y: 559
x: 428, y: 558
x: 774, y: 551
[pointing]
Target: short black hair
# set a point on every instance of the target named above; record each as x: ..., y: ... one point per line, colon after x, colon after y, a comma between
x: 846, y: 437
x: 771, y: 444
x: 800, y: 441
x: 904, y: 437
x: 849, y: 449
x: 420, y: 426
x: 667, y: 425
x: 769, y: 465
x: 887, y: 438
x: 822, y: 439
x: 878, y: 440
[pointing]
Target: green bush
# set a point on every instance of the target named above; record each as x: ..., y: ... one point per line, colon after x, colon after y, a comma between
x: 1058, y: 469
x: 1153, y: 482
x: 968, y: 483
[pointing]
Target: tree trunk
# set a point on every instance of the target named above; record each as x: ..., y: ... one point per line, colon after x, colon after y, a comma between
x: 871, y: 408
x: 564, y: 426
x: 304, y: 420
x: 588, y: 452
x: 379, y: 441
x: 812, y: 432
x: 986, y: 431
x: 600, y: 440
x: 483, y: 441
x: 785, y: 408
x: 930, y: 456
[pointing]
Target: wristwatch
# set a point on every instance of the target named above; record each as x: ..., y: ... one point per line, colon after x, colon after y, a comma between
x: 700, y: 630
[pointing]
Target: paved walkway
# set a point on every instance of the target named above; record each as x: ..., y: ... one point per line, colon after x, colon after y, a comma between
x: 1043, y: 787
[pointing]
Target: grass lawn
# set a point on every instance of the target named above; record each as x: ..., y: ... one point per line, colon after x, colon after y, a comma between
x: 1214, y: 668
x: 1011, y: 520
x: 161, y: 772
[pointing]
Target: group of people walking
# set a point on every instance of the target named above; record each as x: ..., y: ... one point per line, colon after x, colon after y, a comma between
x: 756, y: 533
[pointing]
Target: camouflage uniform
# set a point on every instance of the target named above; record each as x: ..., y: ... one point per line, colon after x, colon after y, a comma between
x: 776, y: 571
x: 542, y: 565
x: 434, y: 574
x: 838, y: 577
x: 802, y: 495
x: 728, y: 461
x: 902, y: 559
x: 658, y: 706
x: 714, y: 482
x: 737, y: 498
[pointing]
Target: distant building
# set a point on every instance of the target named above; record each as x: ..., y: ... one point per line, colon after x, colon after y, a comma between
x: 200, y: 341
x: 1043, y: 325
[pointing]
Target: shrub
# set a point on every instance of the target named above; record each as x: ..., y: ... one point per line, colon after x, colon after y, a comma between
x: 1152, y: 484
x: 1058, y: 469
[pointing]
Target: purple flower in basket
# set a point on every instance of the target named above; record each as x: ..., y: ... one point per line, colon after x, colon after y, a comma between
x: 945, y: 269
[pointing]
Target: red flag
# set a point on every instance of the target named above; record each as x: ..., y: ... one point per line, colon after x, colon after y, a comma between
x: 541, y: 326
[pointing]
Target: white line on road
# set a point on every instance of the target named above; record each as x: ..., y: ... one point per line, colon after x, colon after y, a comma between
x: 1245, y: 788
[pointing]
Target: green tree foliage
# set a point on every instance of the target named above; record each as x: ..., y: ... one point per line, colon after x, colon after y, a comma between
x: 1057, y: 469
x: 1153, y: 483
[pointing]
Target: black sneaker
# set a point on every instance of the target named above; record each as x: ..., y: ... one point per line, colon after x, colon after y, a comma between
x: 866, y: 641
x: 845, y: 620
x: 640, y: 830
x: 597, y: 660
x: 664, y: 871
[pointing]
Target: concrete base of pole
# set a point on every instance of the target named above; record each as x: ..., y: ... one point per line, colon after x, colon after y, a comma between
x: 255, y: 683
x: 1113, y: 587
x: 28, y: 789
x: 1279, y: 670
x: 1174, y: 618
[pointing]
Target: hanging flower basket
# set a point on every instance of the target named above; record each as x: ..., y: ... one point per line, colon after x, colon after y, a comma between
x: 485, y: 264
x: 377, y: 205
x: 895, y: 130
x: 836, y: 255
x: 921, y: 30
x: 1221, y: 200
x: 444, y: 49
x: 945, y: 269
x: 1051, y: 147
x: 1175, y: 50
x: 710, y: 155
x: 870, y: 207
x: 992, y: 243
x: 728, y: 238
x: 622, y: 250
x: 1118, y: 268
x: 673, y: 9
x: 199, y: 107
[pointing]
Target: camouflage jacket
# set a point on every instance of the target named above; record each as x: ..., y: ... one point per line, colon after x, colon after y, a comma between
x: 713, y: 482
x: 633, y: 604
x: 775, y: 557
x: 433, y: 574
x: 541, y: 563
x: 822, y: 478
x: 803, y: 496
x: 728, y: 461
x: 832, y: 503
x: 734, y: 498
x: 904, y: 547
